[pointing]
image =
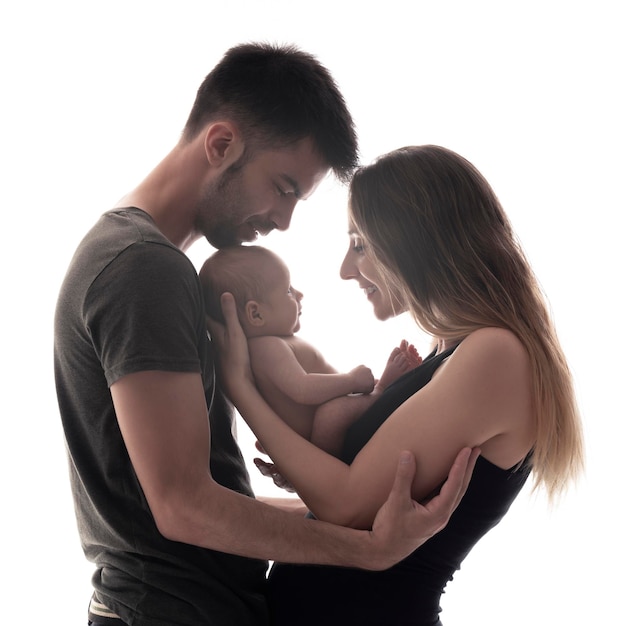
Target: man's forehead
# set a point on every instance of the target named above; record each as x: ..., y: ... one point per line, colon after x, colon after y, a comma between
x: 300, y: 166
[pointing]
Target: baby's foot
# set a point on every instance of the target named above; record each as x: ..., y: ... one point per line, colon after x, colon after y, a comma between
x: 402, y: 359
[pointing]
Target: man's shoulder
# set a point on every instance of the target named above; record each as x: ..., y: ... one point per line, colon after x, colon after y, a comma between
x: 128, y: 225
x: 129, y: 237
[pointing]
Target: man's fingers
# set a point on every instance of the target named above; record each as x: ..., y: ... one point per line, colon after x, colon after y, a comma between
x: 219, y: 332
x: 405, y: 472
x: 455, y: 486
x: 464, y: 466
x: 229, y: 309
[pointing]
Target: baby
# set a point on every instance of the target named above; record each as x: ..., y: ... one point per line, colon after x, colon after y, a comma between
x: 294, y: 378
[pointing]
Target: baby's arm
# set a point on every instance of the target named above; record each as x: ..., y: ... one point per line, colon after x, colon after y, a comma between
x: 333, y: 418
x: 274, y: 360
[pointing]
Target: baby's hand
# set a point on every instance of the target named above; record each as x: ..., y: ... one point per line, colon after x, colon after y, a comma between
x: 363, y: 379
x: 269, y: 469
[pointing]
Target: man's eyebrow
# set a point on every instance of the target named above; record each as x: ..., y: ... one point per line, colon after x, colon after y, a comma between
x: 293, y: 184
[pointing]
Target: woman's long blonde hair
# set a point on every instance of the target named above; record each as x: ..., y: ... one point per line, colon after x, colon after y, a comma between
x: 440, y: 236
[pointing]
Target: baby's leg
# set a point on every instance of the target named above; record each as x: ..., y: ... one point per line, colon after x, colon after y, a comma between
x: 333, y: 418
x: 402, y: 359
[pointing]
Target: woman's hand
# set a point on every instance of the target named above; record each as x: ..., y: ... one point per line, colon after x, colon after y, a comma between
x: 231, y: 346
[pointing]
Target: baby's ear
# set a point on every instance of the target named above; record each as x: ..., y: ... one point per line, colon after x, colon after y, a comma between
x: 253, y: 313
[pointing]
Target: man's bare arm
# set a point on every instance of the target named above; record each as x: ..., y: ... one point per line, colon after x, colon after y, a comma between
x: 164, y: 422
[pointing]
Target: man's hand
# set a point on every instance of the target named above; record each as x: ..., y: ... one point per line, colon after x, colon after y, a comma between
x: 402, y: 524
x: 231, y: 345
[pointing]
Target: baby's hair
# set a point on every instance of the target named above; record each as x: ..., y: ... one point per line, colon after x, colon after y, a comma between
x: 239, y: 270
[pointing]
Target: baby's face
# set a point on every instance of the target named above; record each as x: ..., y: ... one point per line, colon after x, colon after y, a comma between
x: 281, y: 305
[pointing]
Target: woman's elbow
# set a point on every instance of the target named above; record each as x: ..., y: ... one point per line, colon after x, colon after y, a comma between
x: 350, y: 516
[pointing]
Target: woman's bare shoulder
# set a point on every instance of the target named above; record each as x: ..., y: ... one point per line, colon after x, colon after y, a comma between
x: 492, y: 346
x: 490, y: 362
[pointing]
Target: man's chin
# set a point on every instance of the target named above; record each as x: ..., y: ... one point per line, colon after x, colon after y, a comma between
x: 245, y: 234
x: 225, y: 241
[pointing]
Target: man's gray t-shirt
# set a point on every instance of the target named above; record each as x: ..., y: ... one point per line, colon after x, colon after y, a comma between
x: 131, y: 302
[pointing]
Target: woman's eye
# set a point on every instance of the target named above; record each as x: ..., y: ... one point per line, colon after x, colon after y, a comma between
x: 357, y: 246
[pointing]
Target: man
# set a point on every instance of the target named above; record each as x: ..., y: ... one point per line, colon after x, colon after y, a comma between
x: 162, y: 496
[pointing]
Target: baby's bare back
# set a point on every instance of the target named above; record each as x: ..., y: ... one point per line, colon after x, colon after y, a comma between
x: 279, y: 365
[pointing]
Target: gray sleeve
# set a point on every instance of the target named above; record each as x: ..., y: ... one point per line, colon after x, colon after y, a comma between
x: 144, y: 312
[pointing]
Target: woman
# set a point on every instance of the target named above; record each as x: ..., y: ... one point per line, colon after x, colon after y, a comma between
x: 428, y: 235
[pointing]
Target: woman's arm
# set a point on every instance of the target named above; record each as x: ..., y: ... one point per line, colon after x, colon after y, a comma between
x: 164, y: 422
x: 295, y: 506
x: 479, y: 396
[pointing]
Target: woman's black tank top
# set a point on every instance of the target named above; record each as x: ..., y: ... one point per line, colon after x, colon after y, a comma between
x: 409, y: 592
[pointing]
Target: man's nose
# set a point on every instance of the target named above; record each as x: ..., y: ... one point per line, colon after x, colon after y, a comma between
x: 283, y: 214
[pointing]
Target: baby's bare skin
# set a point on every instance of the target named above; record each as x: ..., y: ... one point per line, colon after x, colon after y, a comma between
x: 333, y: 417
x: 402, y: 359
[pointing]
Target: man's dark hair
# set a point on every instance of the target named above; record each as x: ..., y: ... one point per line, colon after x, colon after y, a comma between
x: 278, y: 95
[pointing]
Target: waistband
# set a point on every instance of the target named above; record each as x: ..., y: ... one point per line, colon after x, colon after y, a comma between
x: 101, y: 615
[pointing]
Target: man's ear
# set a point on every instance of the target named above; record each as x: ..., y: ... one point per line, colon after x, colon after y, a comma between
x: 223, y: 144
x: 254, y: 315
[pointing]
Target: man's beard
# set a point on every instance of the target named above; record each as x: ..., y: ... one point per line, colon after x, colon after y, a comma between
x: 221, y: 207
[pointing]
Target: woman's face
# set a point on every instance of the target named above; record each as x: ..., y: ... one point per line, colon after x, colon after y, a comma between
x: 358, y: 265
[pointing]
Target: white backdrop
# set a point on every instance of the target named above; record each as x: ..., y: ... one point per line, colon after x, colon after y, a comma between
x: 95, y: 94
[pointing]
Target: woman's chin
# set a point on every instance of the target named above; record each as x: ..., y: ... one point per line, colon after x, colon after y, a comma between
x: 382, y: 314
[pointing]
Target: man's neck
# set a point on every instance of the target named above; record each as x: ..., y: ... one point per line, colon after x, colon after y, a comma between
x: 168, y: 195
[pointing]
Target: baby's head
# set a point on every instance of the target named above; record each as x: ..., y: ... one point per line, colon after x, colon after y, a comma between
x: 260, y: 283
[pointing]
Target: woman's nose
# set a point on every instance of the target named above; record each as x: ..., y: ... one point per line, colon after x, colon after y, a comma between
x: 348, y: 268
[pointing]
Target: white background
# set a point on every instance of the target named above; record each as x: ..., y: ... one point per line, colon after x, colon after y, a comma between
x: 94, y: 94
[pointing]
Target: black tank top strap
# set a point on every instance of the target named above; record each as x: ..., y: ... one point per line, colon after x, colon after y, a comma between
x: 402, y: 389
